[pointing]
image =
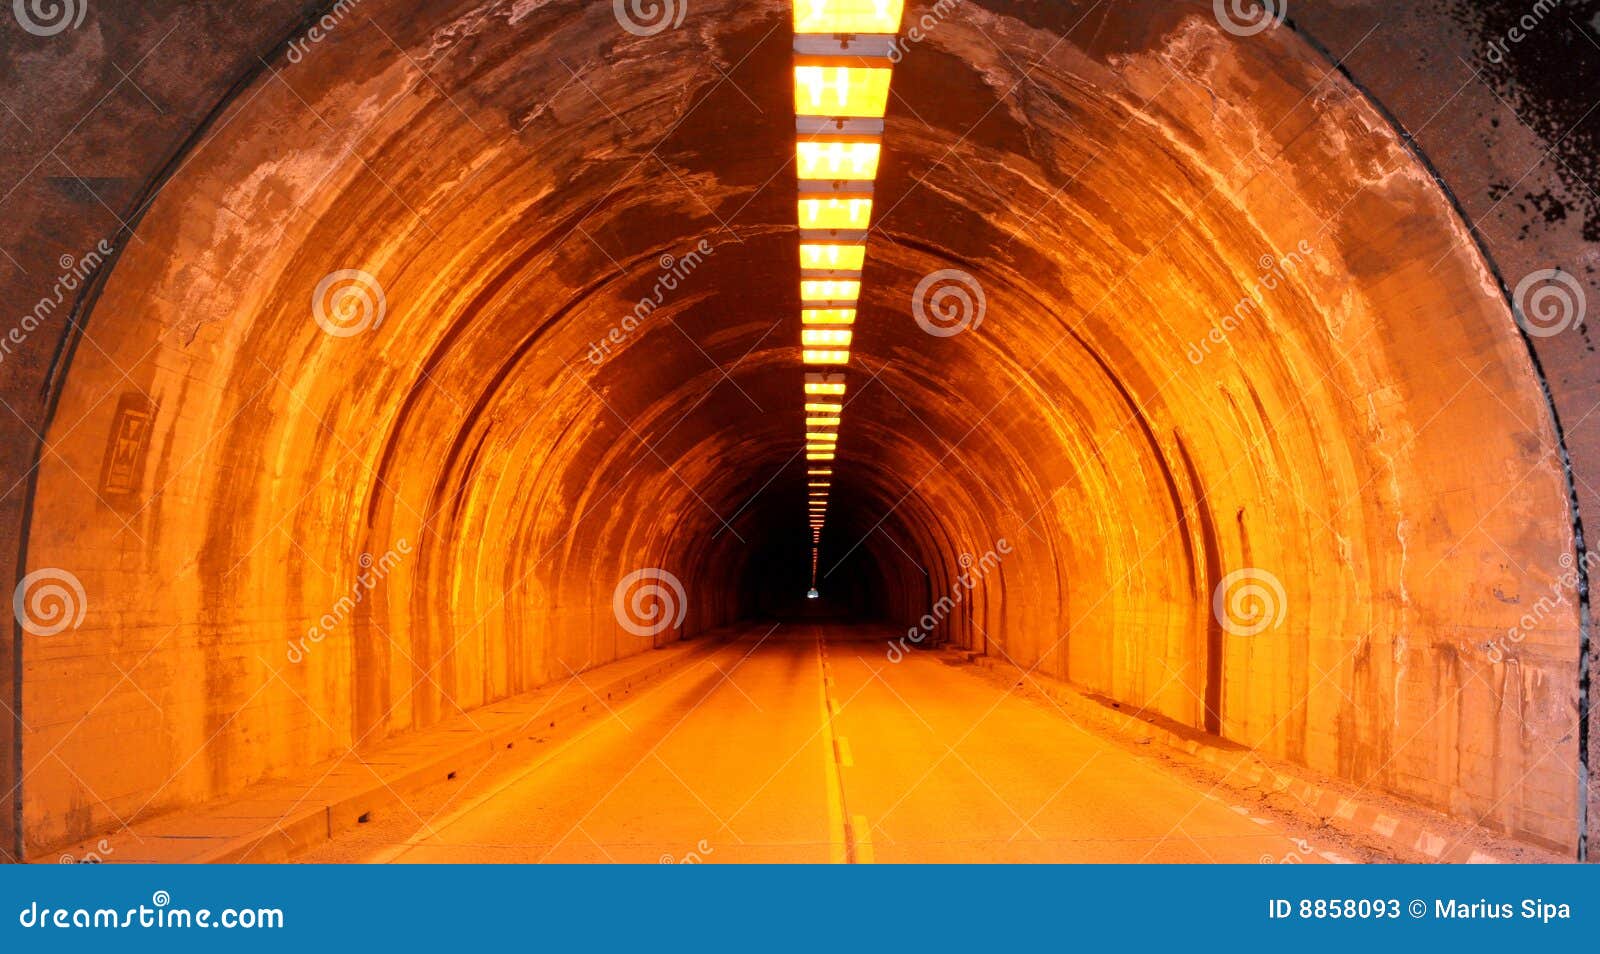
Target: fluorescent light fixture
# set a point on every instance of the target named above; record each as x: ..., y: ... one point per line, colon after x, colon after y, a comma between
x: 819, y: 457
x: 837, y: 161
x: 841, y: 91
x: 822, y: 437
x: 814, y: 356
x: 827, y: 316
x: 834, y: 212
x: 814, y: 337
x: 824, y: 407
x: 847, y: 16
x: 821, y: 256
x: 829, y: 290
x: 820, y: 471
x: 823, y: 421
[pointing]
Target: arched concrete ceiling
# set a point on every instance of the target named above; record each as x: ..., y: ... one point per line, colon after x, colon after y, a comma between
x: 1230, y: 323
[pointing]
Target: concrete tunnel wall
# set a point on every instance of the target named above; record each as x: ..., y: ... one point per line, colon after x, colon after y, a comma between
x: 1369, y: 431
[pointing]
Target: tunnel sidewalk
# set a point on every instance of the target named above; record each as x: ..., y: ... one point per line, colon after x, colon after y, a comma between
x: 1410, y: 833
x: 274, y: 820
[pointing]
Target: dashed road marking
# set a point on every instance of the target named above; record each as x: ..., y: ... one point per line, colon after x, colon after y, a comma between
x: 861, y: 833
x: 838, y: 836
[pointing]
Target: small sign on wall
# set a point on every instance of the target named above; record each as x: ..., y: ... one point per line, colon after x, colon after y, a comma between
x: 122, y: 473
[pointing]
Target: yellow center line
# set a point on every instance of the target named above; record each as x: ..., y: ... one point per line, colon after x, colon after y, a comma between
x: 838, y: 838
x: 862, y: 840
x: 854, y: 830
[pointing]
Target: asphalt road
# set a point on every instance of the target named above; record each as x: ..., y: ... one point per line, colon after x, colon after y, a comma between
x: 807, y: 744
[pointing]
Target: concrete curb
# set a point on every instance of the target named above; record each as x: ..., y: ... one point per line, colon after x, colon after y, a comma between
x: 319, y: 818
x: 1242, y: 765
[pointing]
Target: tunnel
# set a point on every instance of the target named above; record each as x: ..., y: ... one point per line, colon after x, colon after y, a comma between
x: 437, y: 353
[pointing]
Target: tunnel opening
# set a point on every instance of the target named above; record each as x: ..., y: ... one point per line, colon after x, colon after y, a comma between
x: 377, y: 444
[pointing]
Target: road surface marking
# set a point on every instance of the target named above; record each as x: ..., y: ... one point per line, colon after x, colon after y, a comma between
x: 838, y: 838
x: 861, y: 839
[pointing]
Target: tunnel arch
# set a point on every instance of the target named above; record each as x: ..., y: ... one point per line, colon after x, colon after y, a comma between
x: 527, y: 481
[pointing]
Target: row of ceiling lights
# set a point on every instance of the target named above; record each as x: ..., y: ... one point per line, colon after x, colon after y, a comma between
x: 841, y: 90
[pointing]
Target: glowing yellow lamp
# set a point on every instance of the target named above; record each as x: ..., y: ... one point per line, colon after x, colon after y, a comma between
x: 835, y: 213
x: 834, y: 160
x: 827, y: 316
x: 822, y: 290
x: 839, y: 258
x: 820, y: 382
x: 815, y: 337
x: 847, y: 16
x: 841, y: 91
